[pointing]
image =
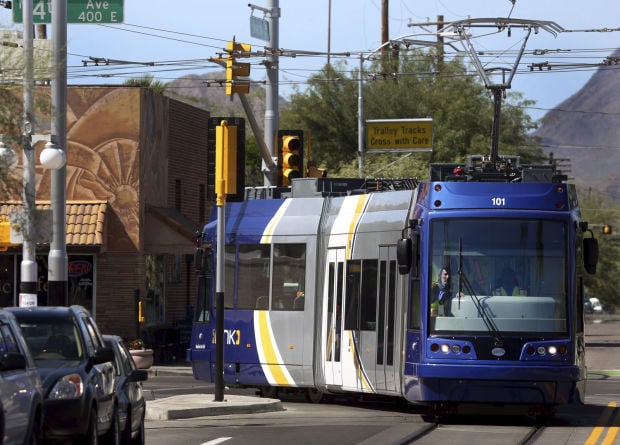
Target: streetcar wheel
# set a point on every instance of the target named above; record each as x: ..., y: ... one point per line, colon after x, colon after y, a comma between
x: 269, y: 392
x: 314, y: 395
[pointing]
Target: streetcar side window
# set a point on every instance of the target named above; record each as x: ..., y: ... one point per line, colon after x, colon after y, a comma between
x: 352, y: 296
x: 289, y: 277
x: 368, y: 305
x: 253, y: 275
x: 229, y: 276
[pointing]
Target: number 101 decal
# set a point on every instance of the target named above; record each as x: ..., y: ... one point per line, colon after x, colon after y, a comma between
x: 499, y: 202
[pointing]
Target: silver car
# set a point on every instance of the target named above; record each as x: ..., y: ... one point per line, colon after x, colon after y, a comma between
x: 21, y: 400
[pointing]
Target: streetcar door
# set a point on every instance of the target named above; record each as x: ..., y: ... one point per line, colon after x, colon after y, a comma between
x: 334, y: 291
x: 386, y: 320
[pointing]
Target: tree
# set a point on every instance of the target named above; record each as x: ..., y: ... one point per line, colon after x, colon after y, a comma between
x: 595, y: 210
x: 458, y: 103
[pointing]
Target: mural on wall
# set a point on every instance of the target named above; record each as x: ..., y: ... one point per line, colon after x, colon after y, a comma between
x: 103, y: 127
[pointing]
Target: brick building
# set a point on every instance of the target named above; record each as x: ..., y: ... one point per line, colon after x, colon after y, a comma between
x: 136, y: 194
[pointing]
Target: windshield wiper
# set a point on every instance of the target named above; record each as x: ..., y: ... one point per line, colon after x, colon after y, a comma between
x: 482, y: 310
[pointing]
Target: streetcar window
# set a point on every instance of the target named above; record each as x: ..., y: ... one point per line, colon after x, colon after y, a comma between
x: 289, y: 277
x: 253, y: 275
x: 511, y: 271
x: 230, y: 268
x: 352, y: 296
x: 368, y: 304
x: 361, y: 295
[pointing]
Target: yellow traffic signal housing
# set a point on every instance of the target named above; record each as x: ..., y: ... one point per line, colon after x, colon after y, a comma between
x: 5, y: 235
x: 312, y: 171
x: 607, y: 230
x: 235, y: 69
x: 290, y: 156
x: 225, y: 161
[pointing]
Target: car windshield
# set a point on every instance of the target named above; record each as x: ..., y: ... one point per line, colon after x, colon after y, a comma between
x: 510, y: 273
x: 52, y: 338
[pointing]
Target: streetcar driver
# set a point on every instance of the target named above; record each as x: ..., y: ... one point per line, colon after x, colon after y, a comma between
x: 442, y: 293
x: 507, y: 283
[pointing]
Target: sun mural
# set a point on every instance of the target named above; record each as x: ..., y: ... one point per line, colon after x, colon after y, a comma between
x: 103, y: 127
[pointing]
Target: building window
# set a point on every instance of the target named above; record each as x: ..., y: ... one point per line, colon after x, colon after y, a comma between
x: 155, y: 289
x: 177, y: 194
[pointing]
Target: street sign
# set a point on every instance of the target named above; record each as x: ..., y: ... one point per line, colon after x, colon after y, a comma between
x: 259, y: 28
x: 78, y: 11
x: 409, y: 135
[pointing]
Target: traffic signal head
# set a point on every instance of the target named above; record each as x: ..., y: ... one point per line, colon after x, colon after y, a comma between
x: 290, y: 156
x: 235, y: 69
x: 607, y: 230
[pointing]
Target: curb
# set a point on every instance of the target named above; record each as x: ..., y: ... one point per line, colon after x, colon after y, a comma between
x: 200, y: 405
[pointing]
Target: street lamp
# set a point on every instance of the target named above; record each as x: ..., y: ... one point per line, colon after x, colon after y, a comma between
x: 52, y: 157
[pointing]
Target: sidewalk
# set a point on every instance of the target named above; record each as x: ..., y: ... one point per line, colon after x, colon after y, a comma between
x: 602, y: 358
x: 188, y: 406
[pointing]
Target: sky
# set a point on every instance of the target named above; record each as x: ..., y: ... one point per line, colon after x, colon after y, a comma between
x: 180, y: 36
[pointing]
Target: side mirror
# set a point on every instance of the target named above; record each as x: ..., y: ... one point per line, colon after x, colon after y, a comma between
x: 103, y: 355
x: 404, y: 255
x: 12, y: 361
x: 590, y: 254
x: 138, y: 375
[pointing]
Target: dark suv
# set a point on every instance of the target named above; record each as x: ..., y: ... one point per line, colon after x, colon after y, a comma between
x: 76, y: 371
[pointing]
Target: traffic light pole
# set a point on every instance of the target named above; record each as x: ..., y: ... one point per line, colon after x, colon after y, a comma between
x: 28, y: 281
x: 272, y: 113
x: 57, y: 260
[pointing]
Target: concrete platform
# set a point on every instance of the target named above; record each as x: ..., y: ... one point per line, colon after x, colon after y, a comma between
x: 199, y: 405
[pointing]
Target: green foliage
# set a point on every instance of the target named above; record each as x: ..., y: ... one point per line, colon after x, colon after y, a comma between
x: 595, y: 210
x: 423, y: 87
x: 147, y: 81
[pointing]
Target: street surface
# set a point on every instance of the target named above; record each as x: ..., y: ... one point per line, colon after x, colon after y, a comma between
x: 341, y: 421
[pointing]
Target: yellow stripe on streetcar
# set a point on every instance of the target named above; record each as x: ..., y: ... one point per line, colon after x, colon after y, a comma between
x: 269, y: 351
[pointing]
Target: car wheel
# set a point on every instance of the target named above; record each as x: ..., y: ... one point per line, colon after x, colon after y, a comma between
x: 91, y: 437
x: 35, y: 432
x: 127, y: 431
x: 113, y: 436
x: 139, y: 439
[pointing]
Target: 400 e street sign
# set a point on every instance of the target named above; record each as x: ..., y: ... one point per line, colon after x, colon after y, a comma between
x: 407, y: 135
x: 78, y: 11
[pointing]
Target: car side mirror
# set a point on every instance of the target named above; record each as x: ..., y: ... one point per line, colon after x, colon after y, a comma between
x: 103, y: 355
x: 12, y: 361
x: 138, y: 375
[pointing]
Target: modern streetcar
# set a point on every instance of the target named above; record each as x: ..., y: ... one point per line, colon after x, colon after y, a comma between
x: 464, y: 289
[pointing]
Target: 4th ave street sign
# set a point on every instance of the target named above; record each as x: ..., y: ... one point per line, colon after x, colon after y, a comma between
x: 407, y: 135
x: 78, y: 11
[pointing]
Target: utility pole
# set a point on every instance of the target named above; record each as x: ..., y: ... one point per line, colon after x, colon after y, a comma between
x: 272, y: 113
x: 57, y: 259
x: 385, y: 35
x: 28, y: 282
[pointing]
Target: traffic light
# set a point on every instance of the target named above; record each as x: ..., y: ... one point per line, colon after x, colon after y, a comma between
x: 235, y: 69
x: 607, y: 230
x: 290, y: 156
x: 312, y: 171
x: 5, y: 235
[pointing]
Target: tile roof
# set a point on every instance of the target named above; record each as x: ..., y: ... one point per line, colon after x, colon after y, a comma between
x: 84, y: 219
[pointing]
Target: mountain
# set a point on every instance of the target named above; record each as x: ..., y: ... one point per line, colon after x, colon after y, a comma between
x: 585, y: 129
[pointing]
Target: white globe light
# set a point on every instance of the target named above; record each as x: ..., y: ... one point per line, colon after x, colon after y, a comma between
x: 52, y: 157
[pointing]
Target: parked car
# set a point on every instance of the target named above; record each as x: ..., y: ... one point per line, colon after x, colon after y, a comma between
x: 128, y: 387
x: 592, y: 306
x: 76, y: 372
x: 21, y: 394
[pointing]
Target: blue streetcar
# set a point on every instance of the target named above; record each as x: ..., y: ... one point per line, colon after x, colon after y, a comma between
x: 464, y: 289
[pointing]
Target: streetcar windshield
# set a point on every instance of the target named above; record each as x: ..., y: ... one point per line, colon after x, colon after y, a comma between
x: 510, y: 271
